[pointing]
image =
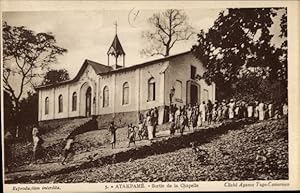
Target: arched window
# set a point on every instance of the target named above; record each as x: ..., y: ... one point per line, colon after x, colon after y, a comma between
x: 125, y: 97
x: 46, y: 105
x: 178, y: 89
x: 151, y: 89
x: 105, y: 97
x: 60, y: 103
x: 74, y: 101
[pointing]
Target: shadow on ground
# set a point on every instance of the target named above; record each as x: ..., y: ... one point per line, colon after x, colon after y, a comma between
x: 161, y: 146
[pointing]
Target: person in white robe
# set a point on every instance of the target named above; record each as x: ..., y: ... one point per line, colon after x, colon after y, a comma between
x: 285, y: 109
x: 250, y: 110
x: 150, y: 126
x: 202, y: 110
x: 231, y: 107
x: 261, y: 111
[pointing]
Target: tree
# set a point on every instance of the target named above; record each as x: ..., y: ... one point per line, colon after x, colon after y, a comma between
x: 8, y: 111
x: 238, y: 47
x: 168, y: 27
x: 25, y: 55
x: 55, y: 76
x: 282, y: 72
x: 29, y: 109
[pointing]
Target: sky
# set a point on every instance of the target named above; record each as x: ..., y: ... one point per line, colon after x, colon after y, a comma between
x: 88, y: 34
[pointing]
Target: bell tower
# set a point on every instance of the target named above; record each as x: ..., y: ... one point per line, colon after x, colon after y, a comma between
x: 115, y: 53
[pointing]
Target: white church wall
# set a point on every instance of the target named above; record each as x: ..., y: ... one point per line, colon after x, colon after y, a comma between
x: 64, y: 91
x: 180, y: 70
x: 121, y: 78
x: 88, y: 79
x: 209, y: 89
x: 74, y: 88
x: 138, y: 89
x: 145, y: 74
x: 43, y: 94
x: 165, y: 74
x: 108, y: 81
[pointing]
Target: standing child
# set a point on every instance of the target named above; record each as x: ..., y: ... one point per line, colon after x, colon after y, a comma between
x: 141, y: 129
x: 172, y: 124
x: 131, y: 135
x: 68, y: 149
x: 183, y: 122
x: 276, y: 114
x: 112, y: 129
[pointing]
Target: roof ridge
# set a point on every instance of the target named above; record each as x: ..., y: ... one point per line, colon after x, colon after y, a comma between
x: 151, y: 61
x: 88, y: 60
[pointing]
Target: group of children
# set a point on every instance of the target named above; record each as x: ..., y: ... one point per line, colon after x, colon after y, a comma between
x: 191, y: 117
x: 146, y: 128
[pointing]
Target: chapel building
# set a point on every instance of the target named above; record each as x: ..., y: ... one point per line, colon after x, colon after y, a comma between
x: 119, y: 92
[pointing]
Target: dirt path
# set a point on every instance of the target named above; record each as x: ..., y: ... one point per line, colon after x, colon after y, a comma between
x: 232, y: 156
x: 55, y: 166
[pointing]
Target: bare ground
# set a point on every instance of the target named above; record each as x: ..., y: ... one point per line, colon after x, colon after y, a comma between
x: 257, y: 151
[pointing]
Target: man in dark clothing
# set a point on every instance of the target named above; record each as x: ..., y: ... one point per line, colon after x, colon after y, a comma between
x: 112, y: 129
x: 209, y: 111
x: 155, y: 120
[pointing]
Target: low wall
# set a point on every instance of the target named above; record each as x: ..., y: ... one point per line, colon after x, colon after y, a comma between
x: 121, y: 119
x: 55, y: 123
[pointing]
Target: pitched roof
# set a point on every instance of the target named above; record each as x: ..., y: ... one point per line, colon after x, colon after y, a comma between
x: 102, y: 69
x: 116, y: 48
x: 145, y: 63
x: 99, y: 68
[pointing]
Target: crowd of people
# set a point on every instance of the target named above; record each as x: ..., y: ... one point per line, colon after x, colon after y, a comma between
x: 191, y: 117
x: 194, y: 116
x: 180, y: 118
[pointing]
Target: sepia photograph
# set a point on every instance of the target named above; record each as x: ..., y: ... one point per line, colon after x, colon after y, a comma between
x: 136, y: 94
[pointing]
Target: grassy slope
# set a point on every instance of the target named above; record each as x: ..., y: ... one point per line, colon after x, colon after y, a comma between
x: 257, y: 151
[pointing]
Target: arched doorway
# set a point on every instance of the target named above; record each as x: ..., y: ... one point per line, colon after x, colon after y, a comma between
x: 194, y: 94
x: 88, y: 102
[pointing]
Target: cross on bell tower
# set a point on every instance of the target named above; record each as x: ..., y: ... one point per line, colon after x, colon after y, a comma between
x: 116, y: 50
x: 116, y: 27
